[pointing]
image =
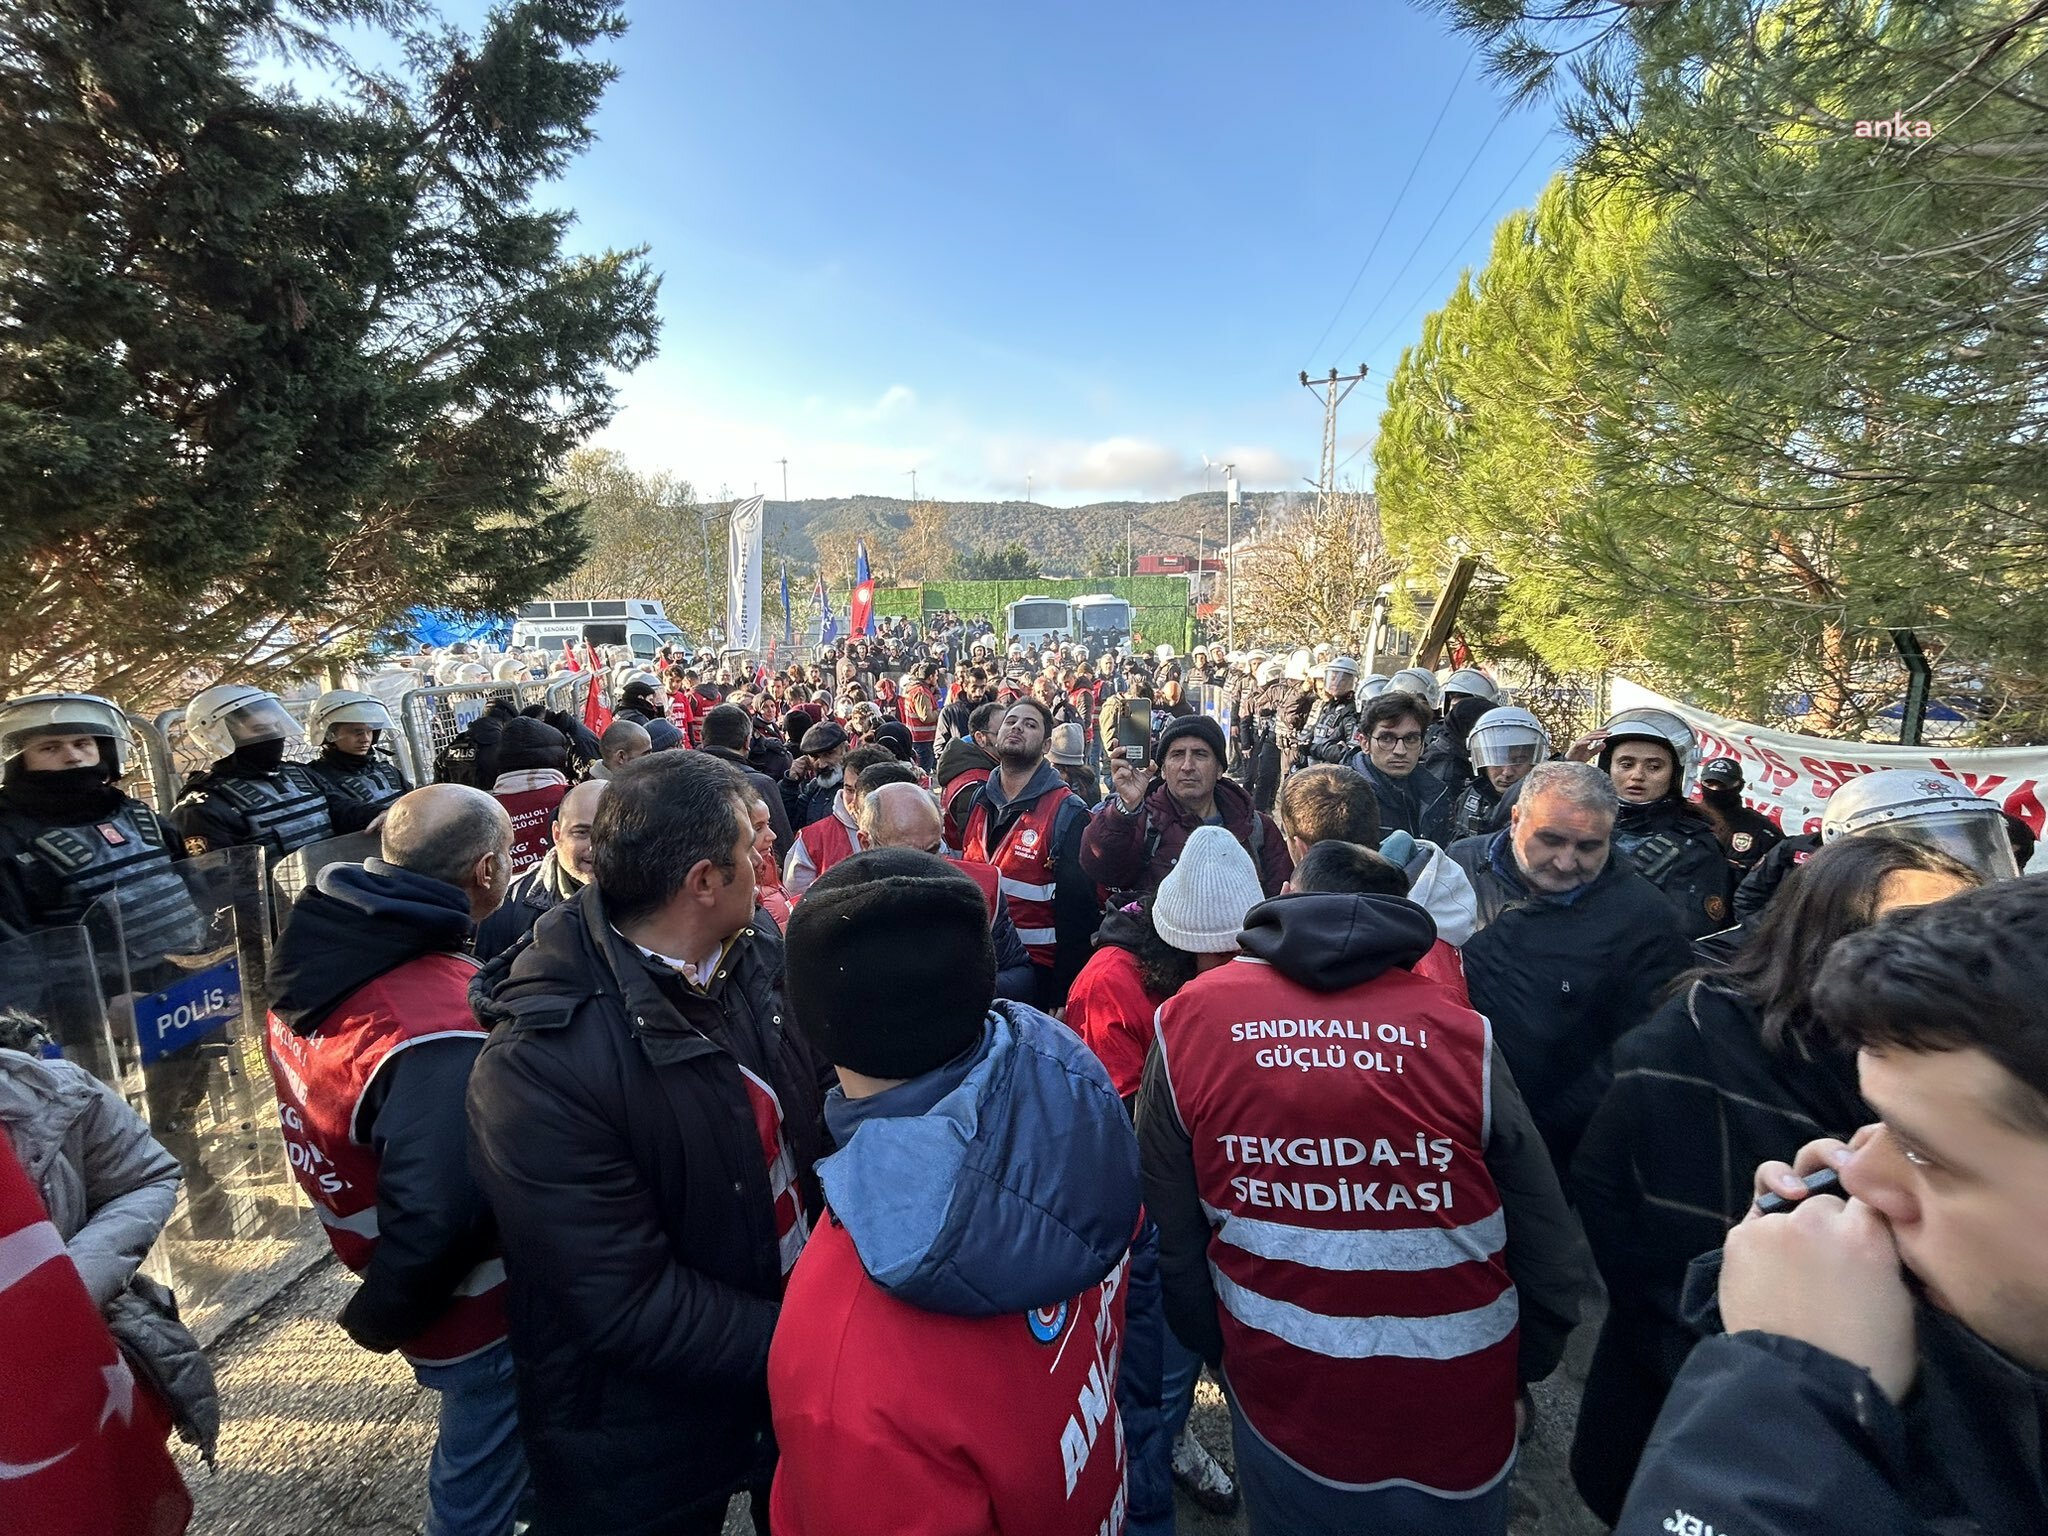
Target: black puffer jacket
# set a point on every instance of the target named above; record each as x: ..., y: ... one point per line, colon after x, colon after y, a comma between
x: 1663, y: 1172
x: 1562, y: 980
x: 1768, y: 1436
x: 612, y: 1128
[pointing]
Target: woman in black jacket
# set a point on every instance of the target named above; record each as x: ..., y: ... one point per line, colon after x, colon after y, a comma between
x: 1729, y: 1073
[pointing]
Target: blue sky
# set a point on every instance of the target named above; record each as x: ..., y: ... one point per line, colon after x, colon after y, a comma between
x: 1086, y: 242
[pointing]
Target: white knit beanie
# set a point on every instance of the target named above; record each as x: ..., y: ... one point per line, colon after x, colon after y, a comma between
x: 1204, y: 897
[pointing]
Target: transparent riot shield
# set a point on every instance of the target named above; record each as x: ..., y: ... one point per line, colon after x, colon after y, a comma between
x: 195, y: 1007
x: 1214, y: 702
x: 71, y: 980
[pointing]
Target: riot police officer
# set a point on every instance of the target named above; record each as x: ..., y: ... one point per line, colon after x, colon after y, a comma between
x: 1646, y: 753
x: 1923, y: 806
x: 1332, y: 727
x: 348, y: 728
x: 1745, y: 835
x: 250, y: 794
x: 1504, y: 745
x: 1269, y: 701
x: 69, y: 836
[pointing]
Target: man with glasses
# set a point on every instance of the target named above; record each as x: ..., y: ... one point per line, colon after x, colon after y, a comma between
x: 1412, y: 799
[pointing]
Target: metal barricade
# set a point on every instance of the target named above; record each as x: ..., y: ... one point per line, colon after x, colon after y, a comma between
x: 154, y: 779
x: 430, y: 718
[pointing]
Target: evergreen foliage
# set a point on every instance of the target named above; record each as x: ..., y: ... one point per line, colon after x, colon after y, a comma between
x: 278, y: 362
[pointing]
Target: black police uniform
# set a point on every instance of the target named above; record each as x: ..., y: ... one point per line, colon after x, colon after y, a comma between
x: 366, y: 780
x: 1746, y: 835
x: 231, y: 805
x: 1761, y: 883
x: 1331, y: 731
x: 1672, y: 845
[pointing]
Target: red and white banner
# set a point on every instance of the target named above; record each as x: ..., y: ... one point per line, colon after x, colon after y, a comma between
x: 1789, y: 778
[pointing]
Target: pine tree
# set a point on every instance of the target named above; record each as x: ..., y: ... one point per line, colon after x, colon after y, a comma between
x: 277, y: 364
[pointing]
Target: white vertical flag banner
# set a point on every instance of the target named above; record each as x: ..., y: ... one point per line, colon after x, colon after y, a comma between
x: 743, y: 576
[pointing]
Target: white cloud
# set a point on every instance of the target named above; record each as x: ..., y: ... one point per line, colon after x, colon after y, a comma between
x: 894, y: 400
x: 1119, y: 463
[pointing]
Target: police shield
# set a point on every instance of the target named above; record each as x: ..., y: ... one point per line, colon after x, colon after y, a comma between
x: 195, y: 1009
x: 1213, y: 701
x: 65, y: 984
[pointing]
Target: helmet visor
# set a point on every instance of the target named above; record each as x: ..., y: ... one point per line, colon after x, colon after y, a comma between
x: 1505, y: 746
x: 37, y: 721
x: 259, y: 720
x: 1980, y: 841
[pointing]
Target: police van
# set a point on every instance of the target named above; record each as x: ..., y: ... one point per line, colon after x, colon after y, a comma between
x: 635, y: 622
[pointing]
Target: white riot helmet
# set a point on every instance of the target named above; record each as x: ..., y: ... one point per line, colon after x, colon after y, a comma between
x: 231, y: 715
x: 1324, y: 651
x: 1164, y: 653
x: 1473, y: 683
x: 509, y: 669
x: 1660, y: 726
x: 343, y: 707
x: 1338, y: 669
x: 1271, y: 671
x: 1919, y: 805
x: 1418, y: 681
x: 1373, y: 685
x: 471, y: 672
x: 38, y: 715
x: 1298, y: 664
x: 1507, y: 737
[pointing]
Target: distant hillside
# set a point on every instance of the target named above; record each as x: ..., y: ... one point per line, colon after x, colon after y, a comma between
x: 1068, y: 541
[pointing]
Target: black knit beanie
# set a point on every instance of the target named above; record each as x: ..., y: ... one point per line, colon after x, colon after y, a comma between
x: 888, y: 963
x: 529, y: 743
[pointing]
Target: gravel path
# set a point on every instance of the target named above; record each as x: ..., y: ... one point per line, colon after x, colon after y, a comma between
x: 320, y: 1438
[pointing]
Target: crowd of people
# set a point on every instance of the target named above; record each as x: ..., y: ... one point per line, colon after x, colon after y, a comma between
x: 885, y: 1084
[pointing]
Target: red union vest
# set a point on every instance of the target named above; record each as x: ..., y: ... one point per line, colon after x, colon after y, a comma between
x: 1369, y: 1325
x: 960, y: 794
x: 533, y: 822
x: 1024, y: 866
x: 321, y: 1079
x: 985, y: 877
x: 826, y: 842
x: 924, y: 731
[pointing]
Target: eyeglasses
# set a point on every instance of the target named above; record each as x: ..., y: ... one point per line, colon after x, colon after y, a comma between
x: 1382, y: 739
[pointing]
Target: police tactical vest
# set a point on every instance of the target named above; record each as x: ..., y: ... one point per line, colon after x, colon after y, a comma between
x: 1339, y: 1139
x: 125, y: 854
x: 283, y: 811
x: 378, y: 784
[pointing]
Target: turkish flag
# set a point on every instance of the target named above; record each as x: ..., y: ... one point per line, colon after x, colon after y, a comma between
x: 81, y: 1440
x: 569, y: 662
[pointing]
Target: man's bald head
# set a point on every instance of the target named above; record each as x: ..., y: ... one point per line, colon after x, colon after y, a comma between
x: 573, y: 818
x: 622, y: 742
x: 455, y: 834
x: 900, y: 816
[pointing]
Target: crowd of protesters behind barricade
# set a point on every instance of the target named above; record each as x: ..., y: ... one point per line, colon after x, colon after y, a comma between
x: 884, y: 1082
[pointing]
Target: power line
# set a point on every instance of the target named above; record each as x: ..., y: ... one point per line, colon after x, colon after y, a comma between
x: 1449, y: 198
x: 1414, y: 166
x: 1437, y: 276
x: 1459, y: 249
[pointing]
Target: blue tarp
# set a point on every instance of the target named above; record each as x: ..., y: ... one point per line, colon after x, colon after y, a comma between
x: 427, y: 626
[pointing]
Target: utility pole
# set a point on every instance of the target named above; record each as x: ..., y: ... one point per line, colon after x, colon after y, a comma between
x: 913, y: 486
x: 1331, y: 392
x: 785, y: 478
x: 1027, y: 490
x: 1128, y: 567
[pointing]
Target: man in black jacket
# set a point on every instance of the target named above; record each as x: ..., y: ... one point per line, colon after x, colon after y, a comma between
x: 1885, y: 1365
x: 727, y: 734
x: 644, y: 1121
x: 1574, y: 949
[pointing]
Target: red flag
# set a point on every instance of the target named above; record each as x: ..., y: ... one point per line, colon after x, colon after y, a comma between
x: 595, y: 716
x: 81, y: 1441
x: 569, y: 663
